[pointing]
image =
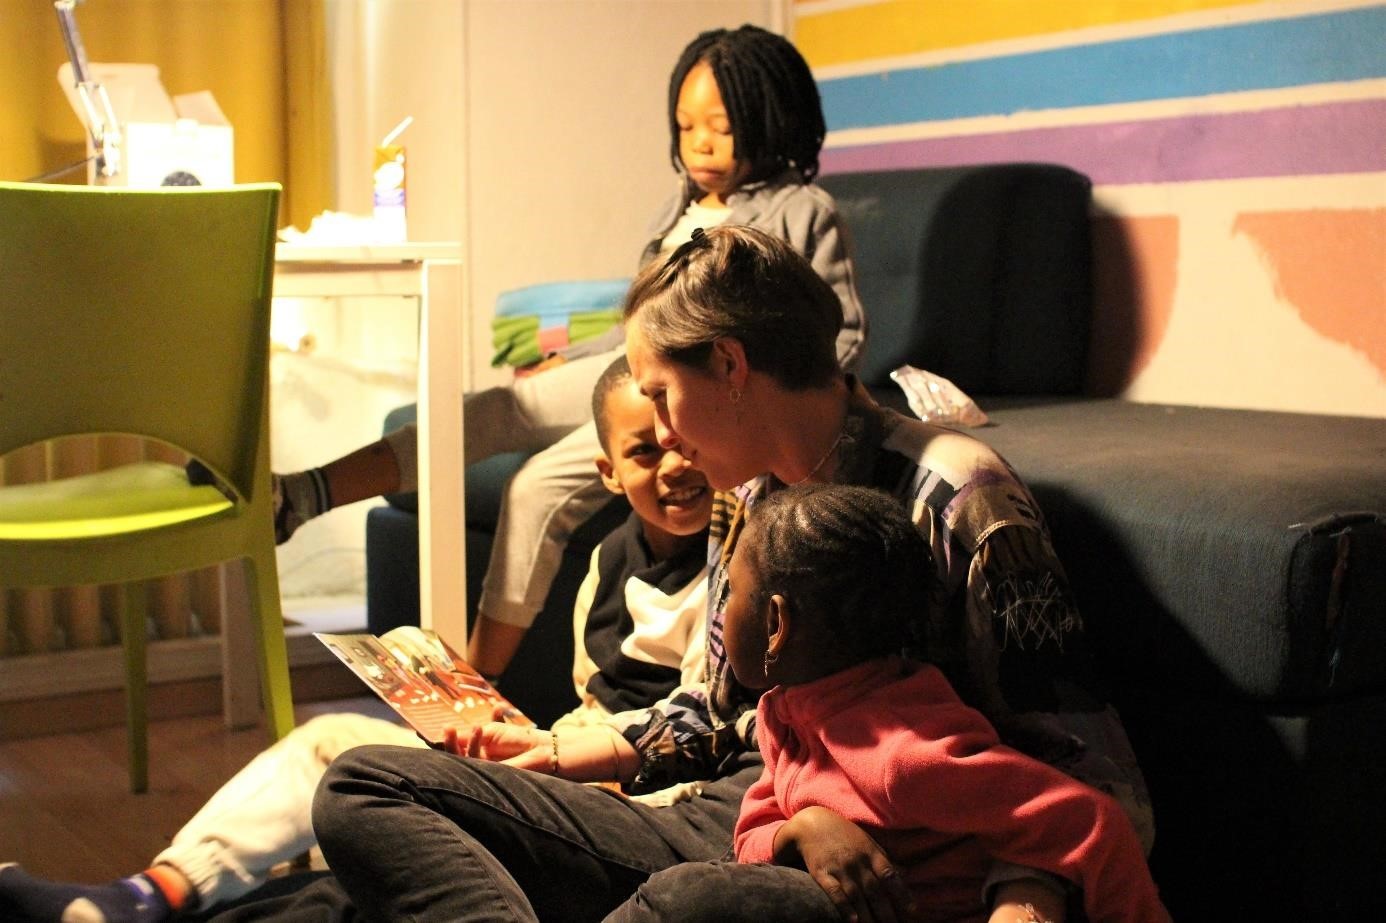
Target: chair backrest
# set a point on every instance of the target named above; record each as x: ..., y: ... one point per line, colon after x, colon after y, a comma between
x: 980, y: 274
x: 138, y: 311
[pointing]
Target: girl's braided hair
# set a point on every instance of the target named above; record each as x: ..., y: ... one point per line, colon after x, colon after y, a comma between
x: 848, y: 557
x: 772, y: 101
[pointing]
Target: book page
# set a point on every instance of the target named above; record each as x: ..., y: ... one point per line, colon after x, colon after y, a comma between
x: 425, y: 681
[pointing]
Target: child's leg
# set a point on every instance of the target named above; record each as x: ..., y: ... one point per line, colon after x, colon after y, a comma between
x: 25, y: 899
x: 710, y: 892
x: 263, y: 815
x: 532, y: 414
x: 548, y: 498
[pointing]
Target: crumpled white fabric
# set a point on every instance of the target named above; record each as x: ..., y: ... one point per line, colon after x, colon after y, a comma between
x: 935, y: 399
x: 331, y: 229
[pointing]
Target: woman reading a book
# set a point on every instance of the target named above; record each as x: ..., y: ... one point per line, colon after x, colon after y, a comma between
x: 731, y: 338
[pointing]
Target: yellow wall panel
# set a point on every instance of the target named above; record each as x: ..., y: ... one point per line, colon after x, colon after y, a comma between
x: 904, y: 27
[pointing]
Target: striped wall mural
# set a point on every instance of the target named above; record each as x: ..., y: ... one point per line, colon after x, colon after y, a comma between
x: 1237, y: 150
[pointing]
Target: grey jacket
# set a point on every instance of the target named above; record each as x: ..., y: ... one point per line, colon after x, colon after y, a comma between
x: 800, y: 213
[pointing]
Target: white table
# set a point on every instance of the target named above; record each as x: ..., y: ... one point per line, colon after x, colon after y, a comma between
x: 408, y: 270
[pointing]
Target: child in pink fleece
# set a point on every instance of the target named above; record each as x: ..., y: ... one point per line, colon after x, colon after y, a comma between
x: 822, y: 587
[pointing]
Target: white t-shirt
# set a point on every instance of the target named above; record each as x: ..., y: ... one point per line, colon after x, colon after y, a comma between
x: 694, y: 216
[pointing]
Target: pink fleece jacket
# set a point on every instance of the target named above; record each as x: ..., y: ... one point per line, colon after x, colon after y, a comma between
x: 888, y: 745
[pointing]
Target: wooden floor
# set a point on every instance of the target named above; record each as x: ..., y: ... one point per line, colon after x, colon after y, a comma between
x: 66, y: 811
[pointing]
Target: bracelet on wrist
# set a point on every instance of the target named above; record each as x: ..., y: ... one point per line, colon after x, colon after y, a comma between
x: 553, y: 755
x: 615, y: 754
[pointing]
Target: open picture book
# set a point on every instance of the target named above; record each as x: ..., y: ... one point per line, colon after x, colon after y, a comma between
x: 425, y: 681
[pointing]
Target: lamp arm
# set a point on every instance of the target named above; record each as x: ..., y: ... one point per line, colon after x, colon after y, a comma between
x: 102, y: 124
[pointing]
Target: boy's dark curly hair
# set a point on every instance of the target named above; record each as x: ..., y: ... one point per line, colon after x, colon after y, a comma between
x: 772, y: 101
x: 848, y: 557
x: 614, y: 376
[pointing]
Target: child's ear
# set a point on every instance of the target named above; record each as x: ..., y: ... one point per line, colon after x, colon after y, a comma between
x: 778, y: 620
x: 609, y: 479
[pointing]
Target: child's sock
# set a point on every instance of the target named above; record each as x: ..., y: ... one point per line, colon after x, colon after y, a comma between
x: 298, y: 497
x: 26, y: 899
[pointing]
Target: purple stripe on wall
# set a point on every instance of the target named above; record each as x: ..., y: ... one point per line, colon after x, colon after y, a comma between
x: 1347, y: 137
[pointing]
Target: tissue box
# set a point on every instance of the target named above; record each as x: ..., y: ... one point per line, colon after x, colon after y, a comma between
x: 180, y: 141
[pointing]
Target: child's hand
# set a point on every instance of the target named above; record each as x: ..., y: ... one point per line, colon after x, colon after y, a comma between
x: 847, y: 864
x: 1027, y: 901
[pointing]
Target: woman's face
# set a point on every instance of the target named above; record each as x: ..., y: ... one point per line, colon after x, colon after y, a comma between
x: 693, y: 413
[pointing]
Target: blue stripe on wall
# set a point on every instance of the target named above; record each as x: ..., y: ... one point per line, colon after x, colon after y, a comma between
x: 1327, y: 48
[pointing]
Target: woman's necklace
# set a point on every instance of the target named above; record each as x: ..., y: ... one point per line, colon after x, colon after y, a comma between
x: 832, y: 448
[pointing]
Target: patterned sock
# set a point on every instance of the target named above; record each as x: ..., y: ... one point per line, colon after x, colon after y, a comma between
x: 25, y: 899
x: 298, y: 497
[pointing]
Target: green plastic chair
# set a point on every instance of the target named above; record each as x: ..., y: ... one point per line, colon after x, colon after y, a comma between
x: 142, y: 312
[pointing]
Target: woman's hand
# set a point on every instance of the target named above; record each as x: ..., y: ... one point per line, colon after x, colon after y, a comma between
x: 847, y: 864
x: 525, y: 747
x: 591, y: 754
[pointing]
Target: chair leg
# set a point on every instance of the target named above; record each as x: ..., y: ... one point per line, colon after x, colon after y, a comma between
x: 133, y: 609
x: 267, y: 624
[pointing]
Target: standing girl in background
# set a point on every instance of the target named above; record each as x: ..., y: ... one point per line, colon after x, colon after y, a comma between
x: 746, y: 128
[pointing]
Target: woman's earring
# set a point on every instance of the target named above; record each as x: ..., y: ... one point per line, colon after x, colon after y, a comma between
x: 770, y: 659
x: 735, y: 395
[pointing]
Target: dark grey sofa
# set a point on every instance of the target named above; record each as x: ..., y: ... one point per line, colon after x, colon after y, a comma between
x: 1231, y: 565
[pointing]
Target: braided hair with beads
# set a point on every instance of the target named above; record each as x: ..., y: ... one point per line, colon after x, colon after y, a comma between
x: 772, y: 101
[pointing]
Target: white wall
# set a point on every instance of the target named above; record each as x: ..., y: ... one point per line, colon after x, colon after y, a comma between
x: 539, y: 141
x: 567, y: 141
x: 539, y: 136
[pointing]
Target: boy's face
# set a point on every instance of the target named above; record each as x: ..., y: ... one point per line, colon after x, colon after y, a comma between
x: 706, y: 145
x: 671, y: 498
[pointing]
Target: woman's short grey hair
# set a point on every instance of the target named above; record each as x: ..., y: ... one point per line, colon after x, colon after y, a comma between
x: 742, y: 283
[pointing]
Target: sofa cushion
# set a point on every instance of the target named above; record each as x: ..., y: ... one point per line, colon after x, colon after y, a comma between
x: 979, y: 274
x: 1216, y: 550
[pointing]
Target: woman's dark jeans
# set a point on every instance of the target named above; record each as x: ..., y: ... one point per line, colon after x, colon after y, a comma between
x: 422, y: 835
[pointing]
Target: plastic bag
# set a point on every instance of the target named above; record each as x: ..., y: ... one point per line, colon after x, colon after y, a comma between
x: 935, y: 399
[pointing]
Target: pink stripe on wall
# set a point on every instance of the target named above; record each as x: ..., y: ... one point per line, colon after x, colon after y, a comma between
x: 1348, y: 137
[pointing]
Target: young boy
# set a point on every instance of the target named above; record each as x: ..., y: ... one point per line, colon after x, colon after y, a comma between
x: 639, y: 624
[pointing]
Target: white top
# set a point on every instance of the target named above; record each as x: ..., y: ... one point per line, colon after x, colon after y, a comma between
x: 694, y: 216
